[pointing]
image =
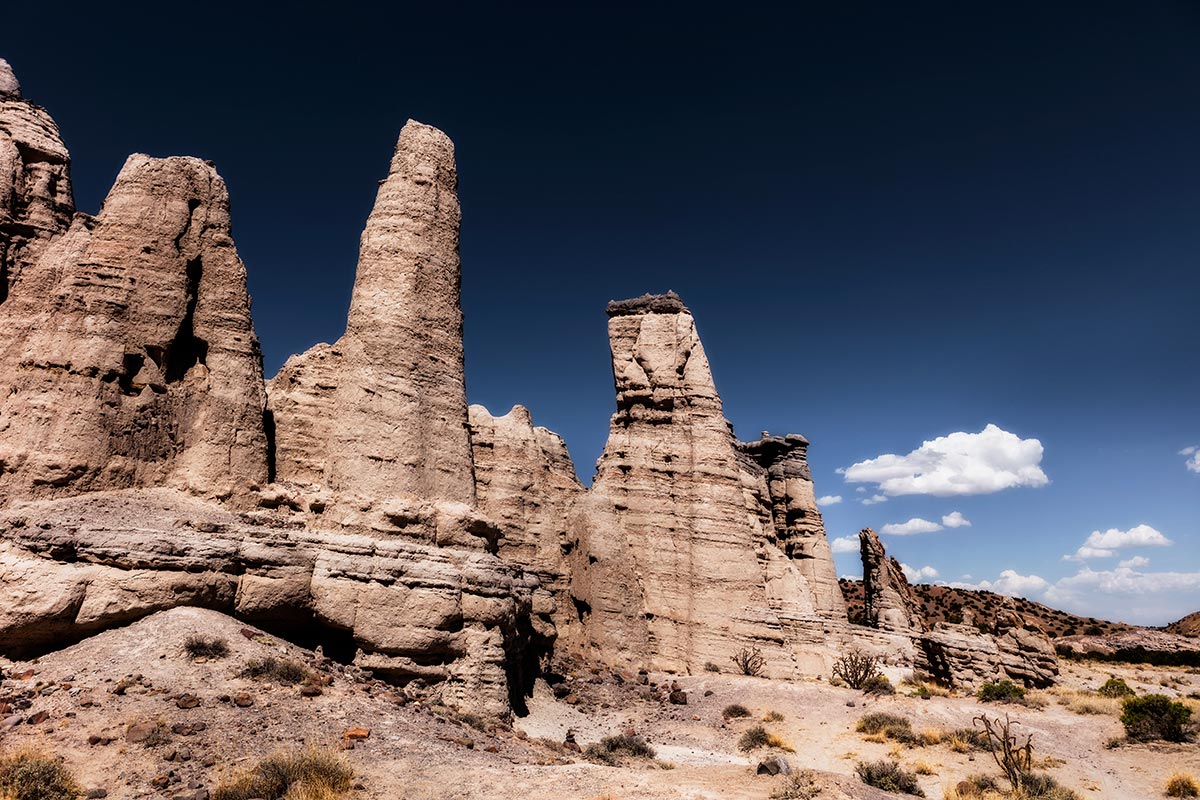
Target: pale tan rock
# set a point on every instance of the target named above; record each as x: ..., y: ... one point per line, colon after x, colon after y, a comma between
x: 128, y: 350
x: 526, y: 482
x: 36, y: 203
x: 75, y: 566
x: 382, y: 413
x: 678, y: 562
x: 888, y: 600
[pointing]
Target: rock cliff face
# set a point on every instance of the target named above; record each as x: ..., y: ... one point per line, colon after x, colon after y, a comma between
x: 679, y: 559
x: 888, y: 601
x: 127, y: 341
x: 381, y: 415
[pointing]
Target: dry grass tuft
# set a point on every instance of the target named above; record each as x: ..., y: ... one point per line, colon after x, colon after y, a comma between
x: 200, y: 646
x: 923, y: 768
x: 302, y: 775
x: 280, y: 670
x: 30, y: 775
x: 614, y: 750
x: 1181, y: 785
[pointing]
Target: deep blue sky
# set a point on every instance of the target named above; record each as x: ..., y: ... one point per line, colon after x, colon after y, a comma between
x: 892, y: 222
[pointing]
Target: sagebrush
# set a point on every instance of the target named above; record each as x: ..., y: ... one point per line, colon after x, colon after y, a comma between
x: 292, y: 774
x: 35, y: 776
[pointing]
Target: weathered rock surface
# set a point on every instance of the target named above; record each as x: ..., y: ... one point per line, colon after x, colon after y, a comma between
x: 445, y: 616
x: 526, y: 482
x: 382, y: 413
x: 128, y: 348
x: 36, y: 204
x: 678, y: 561
x: 888, y: 601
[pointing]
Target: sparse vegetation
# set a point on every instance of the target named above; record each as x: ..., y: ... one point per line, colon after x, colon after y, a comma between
x: 280, y: 670
x: 159, y: 735
x: 964, y: 740
x: 891, y: 726
x: 200, y: 646
x: 878, y: 685
x: 855, y: 668
x: 1003, y: 692
x: 749, y: 660
x: 753, y: 738
x: 735, y: 710
x: 773, y: 716
x: 1181, y: 785
x: 800, y: 785
x: 301, y: 775
x: 1116, y: 688
x: 711, y: 667
x: 889, y: 776
x: 35, y: 776
x: 1016, y: 762
x: 1155, y: 716
x: 613, y: 750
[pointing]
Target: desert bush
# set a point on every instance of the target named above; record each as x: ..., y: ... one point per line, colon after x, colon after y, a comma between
x: 735, y: 710
x: 1040, y: 786
x: 1115, y: 687
x: 964, y: 740
x: 1003, y: 692
x: 159, y: 735
x: 749, y: 660
x: 892, y: 726
x: 1013, y: 759
x: 878, y: 685
x: 773, y: 716
x: 35, y: 776
x: 855, y: 668
x: 1155, y: 716
x: 754, y: 738
x: 1181, y: 785
x: 923, y: 768
x: 612, y: 750
x: 280, y: 670
x: 293, y: 775
x: 711, y: 667
x: 889, y: 776
x: 200, y: 646
x: 800, y: 785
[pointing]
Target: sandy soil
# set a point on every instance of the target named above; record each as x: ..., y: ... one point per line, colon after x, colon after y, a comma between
x: 416, y: 749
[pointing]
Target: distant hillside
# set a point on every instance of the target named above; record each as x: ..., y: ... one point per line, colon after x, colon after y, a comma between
x: 945, y: 604
x: 1188, y: 626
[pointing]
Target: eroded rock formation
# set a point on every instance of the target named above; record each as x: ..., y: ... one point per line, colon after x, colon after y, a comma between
x: 127, y: 342
x: 888, y: 600
x: 679, y: 558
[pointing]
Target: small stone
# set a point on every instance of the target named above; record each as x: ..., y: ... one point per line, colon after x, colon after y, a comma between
x: 677, y: 698
x: 96, y: 793
x: 356, y: 733
x: 139, y: 732
x: 310, y: 690
x: 243, y: 700
x: 776, y: 765
x: 38, y: 718
x: 160, y: 781
x: 12, y: 721
x: 187, y: 701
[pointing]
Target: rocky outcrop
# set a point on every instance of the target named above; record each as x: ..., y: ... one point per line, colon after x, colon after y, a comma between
x: 798, y: 529
x: 525, y: 481
x: 36, y: 204
x: 678, y: 561
x: 446, y: 617
x: 128, y: 348
x: 888, y: 600
x: 382, y: 413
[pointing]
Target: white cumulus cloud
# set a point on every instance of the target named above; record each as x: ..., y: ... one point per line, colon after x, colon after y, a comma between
x: 955, y: 519
x: 1193, y: 463
x: 829, y: 500
x: 1128, y: 594
x: 844, y: 544
x: 918, y: 574
x: 958, y: 464
x: 874, y: 499
x: 1135, y: 562
x: 914, y: 525
x: 1105, y: 544
x: 1010, y: 583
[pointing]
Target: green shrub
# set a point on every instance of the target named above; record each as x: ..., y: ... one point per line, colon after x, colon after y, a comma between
x: 612, y: 750
x: 1155, y: 716
x: 1003, y: 692
x: 1115, y: 687
x: 754, y: 738
x: 889, y: 776
x: 735, y: 710
x: 33, y: 776
x: 893, y: 726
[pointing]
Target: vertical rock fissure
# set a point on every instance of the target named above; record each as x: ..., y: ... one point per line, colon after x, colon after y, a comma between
x: 186, y: 350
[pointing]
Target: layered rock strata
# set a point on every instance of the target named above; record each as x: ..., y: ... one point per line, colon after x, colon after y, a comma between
x: 525, y: 481
x: 447, y: 617
x: 677, y: 561
x: 125, y: 340
x: 382, y: 414
x: 888, y: 600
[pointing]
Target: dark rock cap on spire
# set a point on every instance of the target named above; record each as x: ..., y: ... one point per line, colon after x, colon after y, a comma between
x: 669, y: 303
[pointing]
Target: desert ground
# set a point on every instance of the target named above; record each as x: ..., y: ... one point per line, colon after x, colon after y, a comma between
x: 134, y: 715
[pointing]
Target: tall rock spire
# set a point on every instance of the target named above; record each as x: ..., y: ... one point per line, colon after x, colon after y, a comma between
x: 382, y: 413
